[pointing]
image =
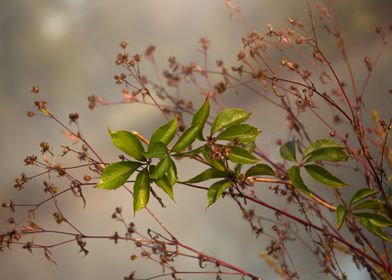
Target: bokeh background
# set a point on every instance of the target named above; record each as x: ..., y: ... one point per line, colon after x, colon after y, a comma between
x: 68, y: 47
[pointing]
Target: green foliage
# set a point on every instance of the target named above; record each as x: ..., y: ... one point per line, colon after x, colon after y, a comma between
x: 241, y: 137
x: 128, y: 143
x: 208, y: 174
x: 376, y: 230
x: 116, y: 174
x: 325, y: 149
x: 165, y: 133
x: 239, y: 155
x: 287, y: 151
x: 297, y: 181
x: 218, y: 164
x: 260, y: 169
x: 229, y: 117
x: 375, y: 219
x: 321, y: 175
x: 191, y: 153
x: 166, y: 185
x: 172, y: 173
x: 216, y: 190
x: 156, y: 150
x: 161, y: 168
x: 320, y: 144
x: 243, y: 133
x: 374, y: 204
x: 341, y: 214
x: 141, y: 190
x: 362, y: 194
x: 201, y: 117
x: 187, y: 138
x: 329, y: 154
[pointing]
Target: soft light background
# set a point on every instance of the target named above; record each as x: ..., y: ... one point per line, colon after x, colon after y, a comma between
x: 68, y: 47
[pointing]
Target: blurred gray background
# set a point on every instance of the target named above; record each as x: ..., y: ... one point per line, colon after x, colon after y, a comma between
x: 68, y: 47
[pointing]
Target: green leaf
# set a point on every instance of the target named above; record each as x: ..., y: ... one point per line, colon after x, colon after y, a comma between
x: 260, y: 169
x: 374, y: 204
x: 161, y: 168
x: 229, y: 117
x: 156, y: 150
x: 172, y: 173
x: 239, y: 155
x: 216, y: 191
x: 287, y: 151
x: 190, y: 153
x: 322, y: 175
x: 141, y: 190
x: 375, y: 230
x: 328, y: 154
x: 164, y: 183
x: 207, y: 175
x: 128, y: 143
x: 250, y: 147
x: 165, y: 133
x: 244, y: 133
x: 320, y: 144
x: 362, y: 194
x: 341, y: 214
x: 218, y: 164
x: 186, y: 139
x: 296, y: 180
x: 201, y: 117
x: 116, y: 174
x: 375, y: 219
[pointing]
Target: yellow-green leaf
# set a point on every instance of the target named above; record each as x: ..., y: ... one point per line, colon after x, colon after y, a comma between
x: 128, y: 143
x: 296, y: 180
x: 156, y: 150
x: 161, y: 168
x: 328, y: 154
x: 116, y: 174
x: 190, y: 153
x: 208, y: 174
x: 141, y: 190
x: 320, y: 144
x: 165, y: 133
x: 341, y: 214
x: 244, y: 133
x: 216, y: 191
x: 322, y: 175
x: 239, y: 155
x: 164, y: 183
x: 186, y: 139
x: 201, y: 117
x: 172, y: 173
x: 260, y: 169
x: 229, y: 117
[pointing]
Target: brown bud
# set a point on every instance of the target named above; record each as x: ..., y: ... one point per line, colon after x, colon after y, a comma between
x: 87, y: 178
x: 35, y: 89
x: 123, y: 45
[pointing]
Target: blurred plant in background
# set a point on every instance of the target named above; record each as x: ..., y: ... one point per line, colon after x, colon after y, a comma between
x: 288, y: 69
